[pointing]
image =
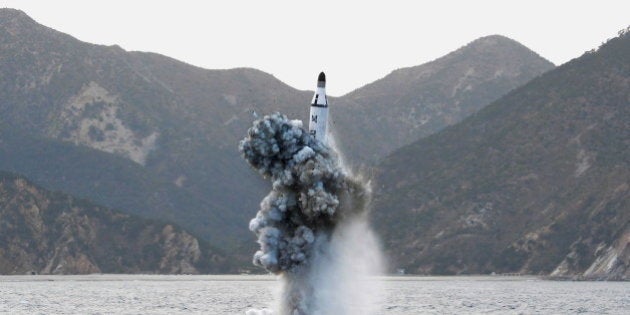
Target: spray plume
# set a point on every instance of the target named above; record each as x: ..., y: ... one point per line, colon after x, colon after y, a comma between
x: 311, y: 226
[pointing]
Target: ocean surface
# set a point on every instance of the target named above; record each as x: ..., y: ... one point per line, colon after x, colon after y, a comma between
x: 151, y: 294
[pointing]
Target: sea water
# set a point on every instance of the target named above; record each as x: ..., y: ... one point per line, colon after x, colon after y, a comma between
x: 163, y: 294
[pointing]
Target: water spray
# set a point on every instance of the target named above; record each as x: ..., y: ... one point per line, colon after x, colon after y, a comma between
x: 313, y: 217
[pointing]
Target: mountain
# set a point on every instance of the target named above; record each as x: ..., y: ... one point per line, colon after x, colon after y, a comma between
x: 106, y: 178
x: 53, y: 233
x: 158, y: 138
x: 176, y: 126
x: 537, y: 182
x: 412, y: 103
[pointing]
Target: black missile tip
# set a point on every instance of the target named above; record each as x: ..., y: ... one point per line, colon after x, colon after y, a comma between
x: 321, y: 77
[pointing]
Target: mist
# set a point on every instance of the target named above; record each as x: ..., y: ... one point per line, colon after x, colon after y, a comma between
x: 312, y: 227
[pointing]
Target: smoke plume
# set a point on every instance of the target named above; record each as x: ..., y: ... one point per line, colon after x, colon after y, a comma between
x: 311, y: 226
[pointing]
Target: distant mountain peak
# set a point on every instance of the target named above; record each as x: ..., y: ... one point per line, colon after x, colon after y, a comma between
x: 11, y: 16
x: 10, y: 13
x: 417, y: 101
x: 498, y: 45
x: 17, y: 24
x: 536, y: 182
x: 494, y: 39
x: 494, y: 42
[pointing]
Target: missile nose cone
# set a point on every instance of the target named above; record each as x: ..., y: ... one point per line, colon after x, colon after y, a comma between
x: 321, y: 80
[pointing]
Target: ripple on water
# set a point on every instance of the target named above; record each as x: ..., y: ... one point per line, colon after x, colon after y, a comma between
x: 135, y: 294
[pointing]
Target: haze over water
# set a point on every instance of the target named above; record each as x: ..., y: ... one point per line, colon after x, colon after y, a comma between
x: 151, y: 294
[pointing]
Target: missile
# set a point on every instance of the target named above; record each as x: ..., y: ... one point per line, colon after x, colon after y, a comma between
x: 319, y: 110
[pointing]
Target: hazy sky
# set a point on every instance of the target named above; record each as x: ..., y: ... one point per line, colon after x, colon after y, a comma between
x: 355, y: 42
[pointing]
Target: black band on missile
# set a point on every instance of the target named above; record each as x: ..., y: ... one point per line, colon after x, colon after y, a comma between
x: 319, y: 105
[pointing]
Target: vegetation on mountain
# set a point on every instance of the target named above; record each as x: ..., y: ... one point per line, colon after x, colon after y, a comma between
x: 537, y: 182
x: 156, y: 137
x: 412, y: 103
x: 47, y: 232
x: 163, y: 134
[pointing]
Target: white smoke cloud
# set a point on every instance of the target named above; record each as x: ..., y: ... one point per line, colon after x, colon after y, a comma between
x: 311, y: 227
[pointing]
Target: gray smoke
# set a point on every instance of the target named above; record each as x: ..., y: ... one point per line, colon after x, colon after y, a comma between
x: 311, y: 195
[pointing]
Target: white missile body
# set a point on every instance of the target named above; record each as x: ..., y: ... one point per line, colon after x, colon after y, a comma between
x: 318, y: 120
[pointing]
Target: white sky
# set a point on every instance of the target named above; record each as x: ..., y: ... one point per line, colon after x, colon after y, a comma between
x: 355, y: 42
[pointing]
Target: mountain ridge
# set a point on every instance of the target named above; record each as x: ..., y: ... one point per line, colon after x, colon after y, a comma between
x: 176, y: 125
x: 47, y: 232
x: 426, y: 98
x: 74, y: 109
x: 535, y: 182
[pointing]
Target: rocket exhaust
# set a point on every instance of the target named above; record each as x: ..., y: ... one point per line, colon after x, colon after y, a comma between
x: 311, y: 227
